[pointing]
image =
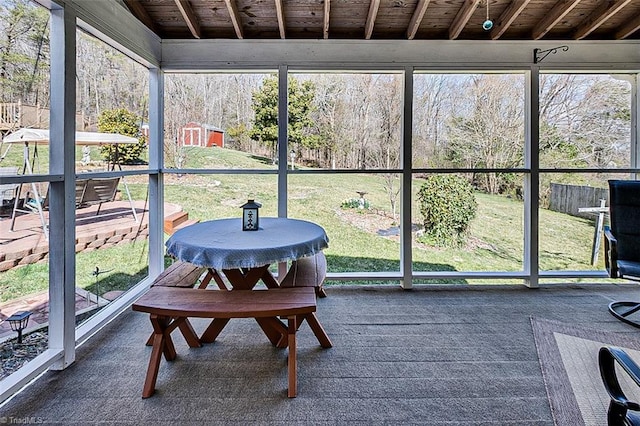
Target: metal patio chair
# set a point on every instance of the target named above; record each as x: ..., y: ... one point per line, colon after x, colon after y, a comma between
x: 622, y: 411
x: 622, y: 243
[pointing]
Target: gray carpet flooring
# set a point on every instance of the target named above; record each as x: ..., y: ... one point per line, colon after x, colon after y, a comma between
x: 448, y: 356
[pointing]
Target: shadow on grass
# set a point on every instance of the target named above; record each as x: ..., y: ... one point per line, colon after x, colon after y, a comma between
x: 123, y: 282
x: 369, y: 264
x: 118, y: 281
x: 264, y: 160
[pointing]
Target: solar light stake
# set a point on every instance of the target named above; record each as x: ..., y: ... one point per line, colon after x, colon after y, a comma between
x: 18, y: 322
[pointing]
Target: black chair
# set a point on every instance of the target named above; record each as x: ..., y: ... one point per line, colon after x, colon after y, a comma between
x: 622, y: 242
x: 622, y: 411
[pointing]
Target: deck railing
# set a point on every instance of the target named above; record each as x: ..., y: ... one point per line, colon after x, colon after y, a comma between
x: 10, y: 116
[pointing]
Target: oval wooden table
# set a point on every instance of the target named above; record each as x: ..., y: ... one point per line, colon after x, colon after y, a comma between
x: 244, y: 257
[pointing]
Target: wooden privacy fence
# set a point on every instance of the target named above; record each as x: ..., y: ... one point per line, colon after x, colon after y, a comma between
x: 14, y: 115
x: 570, y: 198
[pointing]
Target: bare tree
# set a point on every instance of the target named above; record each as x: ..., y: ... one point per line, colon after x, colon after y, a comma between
x: 328, y: 112
x: 23, y: 52
x: 585, y: 121
x: 488, y: 132
x: 435, y: 95
x: 107, y: 80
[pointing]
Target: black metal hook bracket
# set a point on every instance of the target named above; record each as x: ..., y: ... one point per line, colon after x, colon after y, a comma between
x: 539, y: 55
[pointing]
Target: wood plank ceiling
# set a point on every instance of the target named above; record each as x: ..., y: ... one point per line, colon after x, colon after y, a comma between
x: 391, y: 19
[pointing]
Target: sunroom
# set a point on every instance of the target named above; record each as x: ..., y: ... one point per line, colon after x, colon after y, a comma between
x: 528, y: 103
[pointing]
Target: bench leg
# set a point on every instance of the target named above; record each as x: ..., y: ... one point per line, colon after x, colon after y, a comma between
x: 185, y: 328
x: 315, y: 325
x: 317, y: 329
x: 162, y: 344
x: 154, y: 365
x: 292, y: 364
x: 320, y: 292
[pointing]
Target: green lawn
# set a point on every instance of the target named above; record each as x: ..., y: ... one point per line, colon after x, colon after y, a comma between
x: 495, y: 241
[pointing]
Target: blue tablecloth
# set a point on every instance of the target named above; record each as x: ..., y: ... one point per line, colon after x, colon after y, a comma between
x: 222, y: 244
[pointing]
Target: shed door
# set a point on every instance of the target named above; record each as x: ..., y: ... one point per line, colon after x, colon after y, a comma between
x: 191, y: 136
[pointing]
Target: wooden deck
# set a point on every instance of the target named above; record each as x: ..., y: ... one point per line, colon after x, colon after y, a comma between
x: 27, y: 243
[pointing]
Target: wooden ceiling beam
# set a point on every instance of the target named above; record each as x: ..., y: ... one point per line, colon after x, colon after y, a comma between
x: 280, y: 14
x: 605, y: 11
x: 325, y: 19
x: 628, y: 28
x: 232, y: 7
x: 510, y: 14
x: 141, y: 14
x: 463, y: 16
x: 371, y: 18
x: 416, y: 18
x: 578, y: 19
x: 189, y: 16
x: 550, y: 20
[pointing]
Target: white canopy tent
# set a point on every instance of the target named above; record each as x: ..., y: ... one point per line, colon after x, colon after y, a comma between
x: 41, y: 136
x: 36, y: 137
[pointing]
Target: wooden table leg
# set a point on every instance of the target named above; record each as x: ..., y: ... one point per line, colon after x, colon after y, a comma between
x: 269, y: 280
x: 274, y: 330
x: 206, y: 279
x: 214, y: 329
x: 245, y: 279
x: 217, y: 278
x: 189, y: 333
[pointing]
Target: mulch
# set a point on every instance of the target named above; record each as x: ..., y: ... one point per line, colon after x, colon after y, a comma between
x: 14, y: 355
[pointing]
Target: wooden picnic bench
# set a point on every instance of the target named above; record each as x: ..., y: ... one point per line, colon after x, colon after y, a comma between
x: 180, y: 274
x: 183, y: 275
x: 170, y: 308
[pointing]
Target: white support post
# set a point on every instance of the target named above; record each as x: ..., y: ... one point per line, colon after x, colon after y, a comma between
x: 62, y: 268
x: 532, y: 180
x: 156, y: 180
x: 283, y: 145
x: 406, y: 252
x: 283, y: 148
x: 635, y: 124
